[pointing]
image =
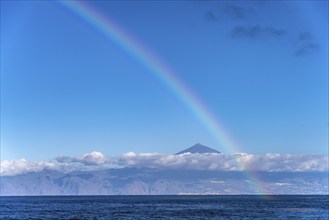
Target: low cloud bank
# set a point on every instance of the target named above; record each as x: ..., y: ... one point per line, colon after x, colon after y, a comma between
x: 270, y: 162
x: 226, y: 162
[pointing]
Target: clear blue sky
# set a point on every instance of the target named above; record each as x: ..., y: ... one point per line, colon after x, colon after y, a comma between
x: 67, y: 89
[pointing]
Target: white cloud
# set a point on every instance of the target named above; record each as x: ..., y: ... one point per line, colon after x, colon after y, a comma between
x: 210, y: 161
x: 89, y: 159
x: 236, y: 162
x: 15, y: 167
x: 94, y: 158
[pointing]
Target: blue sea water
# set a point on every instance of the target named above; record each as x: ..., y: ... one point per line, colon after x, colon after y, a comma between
x: 165, y: 207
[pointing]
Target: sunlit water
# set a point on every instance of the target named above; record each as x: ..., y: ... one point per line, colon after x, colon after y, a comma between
x: 165, y: 207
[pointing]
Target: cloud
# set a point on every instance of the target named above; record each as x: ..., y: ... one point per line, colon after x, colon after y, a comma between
x: 15, y: 167
x: 210, y: 16
x: 237, y: 12
x: 89, y: 159
x: 229, y: 11
x: 210, y: 161
x: 304, y: 44
x: 256, y: 32
x: 224, y: 162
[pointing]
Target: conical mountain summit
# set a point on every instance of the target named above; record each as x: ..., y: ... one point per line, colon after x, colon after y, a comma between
x: 198, y: 148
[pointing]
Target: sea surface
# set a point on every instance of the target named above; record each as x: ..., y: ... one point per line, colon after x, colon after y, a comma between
x: 165, y: 207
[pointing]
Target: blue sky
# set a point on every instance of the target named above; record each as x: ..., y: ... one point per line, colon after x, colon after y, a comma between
x: 67, y: 89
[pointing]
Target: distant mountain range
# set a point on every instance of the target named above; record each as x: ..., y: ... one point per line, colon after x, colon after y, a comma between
x: 155, y: 181
x: 146, y: 181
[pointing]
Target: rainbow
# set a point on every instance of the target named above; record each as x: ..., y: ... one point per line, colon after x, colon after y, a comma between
x: 163, y: 72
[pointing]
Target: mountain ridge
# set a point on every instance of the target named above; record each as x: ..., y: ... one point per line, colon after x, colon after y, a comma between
x: 148, y: 181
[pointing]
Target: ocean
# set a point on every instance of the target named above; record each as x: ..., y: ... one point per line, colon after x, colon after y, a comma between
x: 165, y: 207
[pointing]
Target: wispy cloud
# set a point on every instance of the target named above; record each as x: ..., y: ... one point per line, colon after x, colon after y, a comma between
x: 256, y: 32
x: 238, y: 12
x: 229, y: 11
x: 304, y: 45
x: 221, y: 162
x: 211, y: 16
x: 241, y: 16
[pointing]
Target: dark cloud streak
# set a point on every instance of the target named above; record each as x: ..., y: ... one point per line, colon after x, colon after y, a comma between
x: 256, y: 31
x: 304, y: 45
x: 229, y: 11
x: 210, y: 16
x: 237, y: 12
